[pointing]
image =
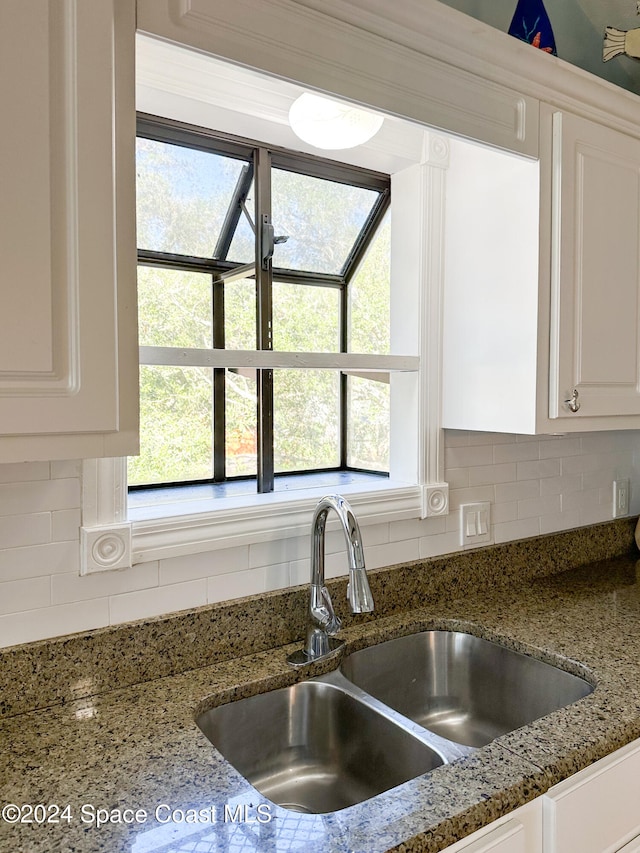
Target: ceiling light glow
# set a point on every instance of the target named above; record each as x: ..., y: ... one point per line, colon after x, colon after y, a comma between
x: 332, y: 125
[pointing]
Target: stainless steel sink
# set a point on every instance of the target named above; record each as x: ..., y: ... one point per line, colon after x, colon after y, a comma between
x: 313, y: 747
x: 461, y: 687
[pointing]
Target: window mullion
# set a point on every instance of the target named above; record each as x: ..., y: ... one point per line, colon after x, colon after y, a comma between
x: 219, y: 388
x: 344, y: 343
x: 264, y: 336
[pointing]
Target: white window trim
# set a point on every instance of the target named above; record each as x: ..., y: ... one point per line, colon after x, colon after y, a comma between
x: 109, y: 541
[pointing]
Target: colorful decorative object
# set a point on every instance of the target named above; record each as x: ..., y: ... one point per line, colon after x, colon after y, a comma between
x: 531, y: 24
x: 617, y: 42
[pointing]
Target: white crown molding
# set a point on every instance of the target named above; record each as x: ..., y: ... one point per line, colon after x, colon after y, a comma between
x: 289, y: 40
x: 443, y: 33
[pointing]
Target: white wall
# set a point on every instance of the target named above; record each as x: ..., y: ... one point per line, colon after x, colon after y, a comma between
x: 535, y: 485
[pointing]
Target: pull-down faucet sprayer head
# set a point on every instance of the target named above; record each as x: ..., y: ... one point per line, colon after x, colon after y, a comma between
x: 323, y: 622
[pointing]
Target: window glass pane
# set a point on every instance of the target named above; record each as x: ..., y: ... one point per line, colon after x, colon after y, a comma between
x: 306, y: 419
x: 305, y: 318
x: 176, y: 425
x: 369, y: 297
x: 367, y: 424
x: 174, y: 308
x: 321, y: 218
x: 241, y: 428
x: 182, y: 197
x: 240, y: 314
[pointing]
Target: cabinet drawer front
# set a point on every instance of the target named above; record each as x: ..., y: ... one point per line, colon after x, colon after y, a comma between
x: 597, y: 810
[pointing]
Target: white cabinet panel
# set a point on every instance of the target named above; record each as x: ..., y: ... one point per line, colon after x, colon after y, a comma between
x: 520, y: 832
x: 595, y: 287
x: 596, y: 810
x: 631, y: 847
x: 509, y: 838
x: 67, y: 243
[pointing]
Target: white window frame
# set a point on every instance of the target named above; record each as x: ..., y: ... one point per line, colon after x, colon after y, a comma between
x: 416, y: 488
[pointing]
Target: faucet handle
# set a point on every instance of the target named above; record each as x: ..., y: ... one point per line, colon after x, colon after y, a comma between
x: 333, y: 623
x: 322, y: 612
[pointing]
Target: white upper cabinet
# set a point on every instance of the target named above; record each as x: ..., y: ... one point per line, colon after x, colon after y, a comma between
x: 595, y: 282
x: 68, y: 345
x: 542, y: 283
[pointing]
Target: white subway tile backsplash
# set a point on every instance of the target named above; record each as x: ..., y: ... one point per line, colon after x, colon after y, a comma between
x: 157, y: 601
x: 482, y: 475
x: 559, y: 521
x: 516, y: 452
x: 39, y: 561
x: 17, y: 531
x: 558, y: 447
x: 378, y: 556
x: 62, y: 468
x: 561, y: 485
x: 203, y: 565
x: 55, y: 621
x: 442, y: 543
x: 582, y: 464
x: 457, y: 478
x: 507, y: 511
x: 519, y: 491
x: 32, y: 592
x: 535, y: 507
x: 463, y: 457
x: 520, y: 529
x: 24, y: 472
x: 277, y: 577
x: 236, y: 585
x: 71, y: 586
x: 595, y: 514
x: 19, y: 498
x: 278, y: 551
x: 582, y: 500
x: 538, y: 469
x: 536, y: 484
x: 65, y: 525
x: 415, y: 528
x: 457, y: 497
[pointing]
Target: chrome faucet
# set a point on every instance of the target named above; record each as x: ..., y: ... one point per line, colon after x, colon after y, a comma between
x: 323, y: 623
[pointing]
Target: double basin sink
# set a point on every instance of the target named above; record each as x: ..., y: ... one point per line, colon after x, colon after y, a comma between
x: 390, y: 713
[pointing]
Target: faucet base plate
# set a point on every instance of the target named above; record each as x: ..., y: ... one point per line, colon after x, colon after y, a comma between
x: 301, y: 657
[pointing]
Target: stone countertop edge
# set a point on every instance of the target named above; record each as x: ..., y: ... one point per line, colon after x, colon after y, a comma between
x: 139, y: 745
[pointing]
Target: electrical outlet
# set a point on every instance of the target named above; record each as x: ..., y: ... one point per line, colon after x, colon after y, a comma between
x: 620, y: 498
x: 475, y: 524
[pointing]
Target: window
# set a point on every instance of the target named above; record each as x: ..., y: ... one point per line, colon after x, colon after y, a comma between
x: 263, y: 293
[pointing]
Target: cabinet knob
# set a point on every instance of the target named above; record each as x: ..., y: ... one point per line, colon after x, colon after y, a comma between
x: 572, y: 403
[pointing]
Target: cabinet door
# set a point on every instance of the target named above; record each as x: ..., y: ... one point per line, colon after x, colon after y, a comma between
x: 598, y: 809
x: 509, y: 838
x: 595, y: 320
x: 520, y: 832
x: 67, y: 242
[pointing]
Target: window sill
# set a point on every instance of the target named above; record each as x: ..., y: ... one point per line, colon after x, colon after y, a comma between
x: 190, y: 527
x: 112, y: 538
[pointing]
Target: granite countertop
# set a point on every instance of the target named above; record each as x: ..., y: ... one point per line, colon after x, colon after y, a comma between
x: 138, y: 747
